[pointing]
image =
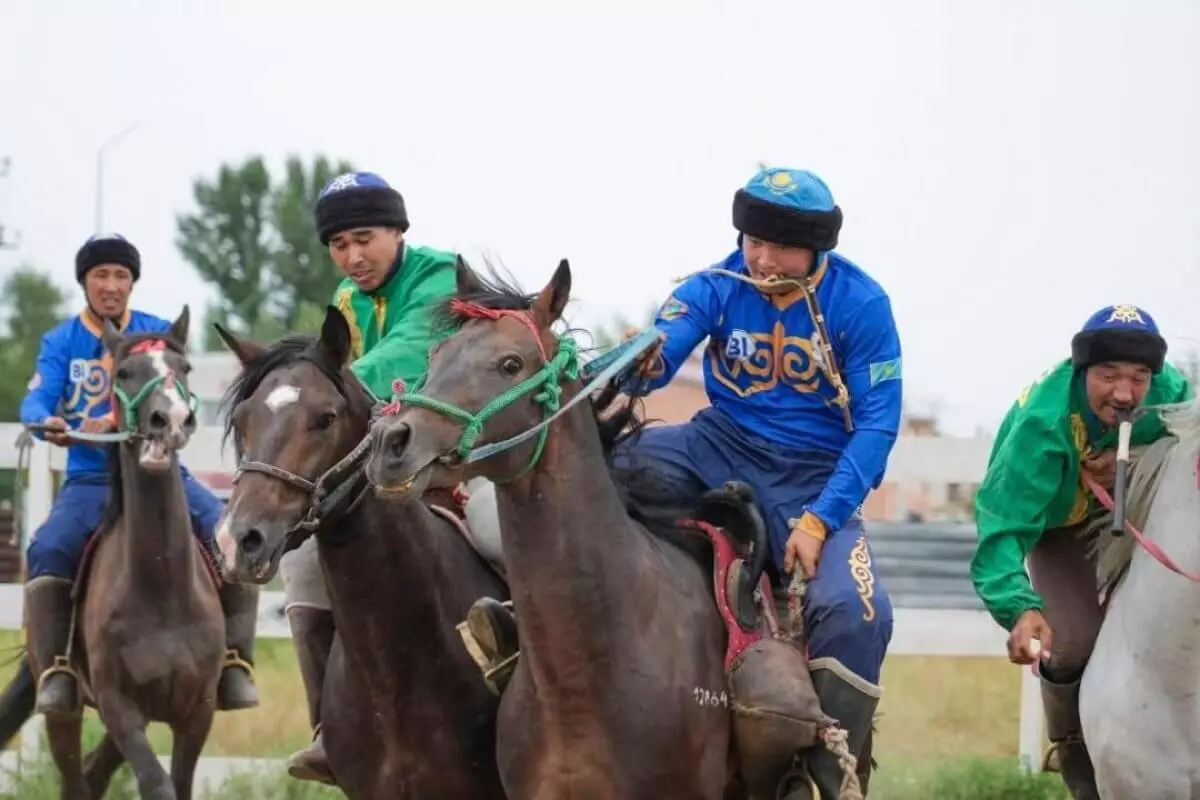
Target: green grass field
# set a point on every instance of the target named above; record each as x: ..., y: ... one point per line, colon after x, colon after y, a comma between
x: 948, y: 726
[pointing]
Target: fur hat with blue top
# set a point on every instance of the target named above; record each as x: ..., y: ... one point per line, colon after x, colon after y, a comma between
x: 1119, y: 333
x: 107, y: 248
x: 358, y: 200
x: 791, y: 207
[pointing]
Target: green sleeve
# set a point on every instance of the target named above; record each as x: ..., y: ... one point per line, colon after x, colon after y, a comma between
x: 403, y: 352
x: 1023, y: 478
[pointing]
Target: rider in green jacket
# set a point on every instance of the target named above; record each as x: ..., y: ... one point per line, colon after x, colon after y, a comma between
x: 1033, y: 503
x: 386, y: 298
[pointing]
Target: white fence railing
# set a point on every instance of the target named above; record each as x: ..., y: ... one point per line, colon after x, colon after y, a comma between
x: 942, y: 632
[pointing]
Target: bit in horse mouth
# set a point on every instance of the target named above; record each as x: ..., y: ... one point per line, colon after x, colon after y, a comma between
x: 400, y: 487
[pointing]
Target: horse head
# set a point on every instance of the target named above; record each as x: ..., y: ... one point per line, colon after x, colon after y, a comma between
x: 498, y: 375
x: 150, y: 394
x: 294, y: 413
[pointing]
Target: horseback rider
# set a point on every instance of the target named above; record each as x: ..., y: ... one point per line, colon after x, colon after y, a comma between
x: 71, y: 390
x: 781, y: 420
x: 1032, y: 502
x: 388, y: 286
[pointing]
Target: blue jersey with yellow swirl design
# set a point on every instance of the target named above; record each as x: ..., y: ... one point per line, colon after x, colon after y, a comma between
x: 763, y: 366
x: 72, y: 380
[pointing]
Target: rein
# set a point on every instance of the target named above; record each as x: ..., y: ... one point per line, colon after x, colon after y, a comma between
x: 546, y: 383
x: 127, y: 418
x: 1149, y: 545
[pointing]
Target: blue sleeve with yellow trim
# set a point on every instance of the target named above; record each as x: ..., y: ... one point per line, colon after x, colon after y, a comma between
x: 872, y: 371
x: 689, y: 315
x: 49, y: 381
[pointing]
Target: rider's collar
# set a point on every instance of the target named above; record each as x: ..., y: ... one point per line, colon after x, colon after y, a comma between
x: 95, y: 323
x: 401, y: 252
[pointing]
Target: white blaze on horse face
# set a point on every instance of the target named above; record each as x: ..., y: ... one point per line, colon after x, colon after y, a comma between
x: 179, y: 410
x: 225, y: 543
x: 281, y: 396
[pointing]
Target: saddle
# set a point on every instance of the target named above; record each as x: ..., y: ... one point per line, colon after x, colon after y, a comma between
x: 774, y: 705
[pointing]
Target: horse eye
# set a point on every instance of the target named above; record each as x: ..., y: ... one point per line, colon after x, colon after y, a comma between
x: 122, y: 374
x: 325, y: 420
x: 512, y: 366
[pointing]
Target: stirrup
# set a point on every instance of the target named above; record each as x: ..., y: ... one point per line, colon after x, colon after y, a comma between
x: 233, y: 659
x: 62, y: 666
x: 802, y: 774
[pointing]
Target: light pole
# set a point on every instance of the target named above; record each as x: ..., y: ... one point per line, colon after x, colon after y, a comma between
x: 108, y: 143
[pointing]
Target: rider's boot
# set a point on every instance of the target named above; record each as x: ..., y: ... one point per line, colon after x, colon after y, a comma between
x: 235, y: 689
x: 312, y: 633
x: 490, y: 636
x: 851, y: 701
x: 48, y: 608
x: 1061, y: 703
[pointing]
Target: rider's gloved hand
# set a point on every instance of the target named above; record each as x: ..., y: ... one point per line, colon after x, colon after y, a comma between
x: 804, y: 544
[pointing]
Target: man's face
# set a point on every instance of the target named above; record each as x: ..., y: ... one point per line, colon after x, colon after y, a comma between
x: 1116, y: 385
x: 766, y: 259
x: 364, y: 255
x: 108, y: 287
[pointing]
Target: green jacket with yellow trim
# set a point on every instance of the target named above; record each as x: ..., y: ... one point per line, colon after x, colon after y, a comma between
x: 1033, y: 481
x: 392, y: 328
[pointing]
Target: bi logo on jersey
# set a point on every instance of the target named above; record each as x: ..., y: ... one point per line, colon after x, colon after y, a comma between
x: 739, y: 346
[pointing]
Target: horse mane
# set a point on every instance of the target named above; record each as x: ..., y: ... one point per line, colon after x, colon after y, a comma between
x: 291, y: 349
x: 618, y: 413
x: 115, y: 507
x: 1112, y: 554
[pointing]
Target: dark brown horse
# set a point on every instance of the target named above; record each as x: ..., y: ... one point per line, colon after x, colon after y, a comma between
x: 403, y: 712
x: 620, y: 691
x: 150, y: 636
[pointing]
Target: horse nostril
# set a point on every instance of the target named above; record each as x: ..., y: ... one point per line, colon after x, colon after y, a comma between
x: 190, y: 422
x: 252, y: 542
x: 397, y: 440
x: 158, y: 421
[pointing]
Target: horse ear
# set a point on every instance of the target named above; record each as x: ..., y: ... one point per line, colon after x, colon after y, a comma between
x: 468, y: 282
x: 179, y: 328
x: 111, y: 337
x: 335, y: 336
x: 245, y: 350
x: 553, y: 299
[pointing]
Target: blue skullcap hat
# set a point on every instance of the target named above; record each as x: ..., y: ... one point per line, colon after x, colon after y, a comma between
x: 358, y: 200
x: 1119, y: 333
x: 790, y: 207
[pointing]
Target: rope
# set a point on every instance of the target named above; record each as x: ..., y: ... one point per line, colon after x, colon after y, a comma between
x: 834, y: 739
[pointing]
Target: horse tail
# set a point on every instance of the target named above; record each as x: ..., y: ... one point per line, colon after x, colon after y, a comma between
x: 17, y: 701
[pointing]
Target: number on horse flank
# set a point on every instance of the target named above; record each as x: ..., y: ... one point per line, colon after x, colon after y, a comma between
x: 546, y: 382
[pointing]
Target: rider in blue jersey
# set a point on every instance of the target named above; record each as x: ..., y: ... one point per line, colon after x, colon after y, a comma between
x: 806, y: 414
x: 70, y: 389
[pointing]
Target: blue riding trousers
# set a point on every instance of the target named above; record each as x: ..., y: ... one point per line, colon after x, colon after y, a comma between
x: 59, y: 542
x: 848, y: 614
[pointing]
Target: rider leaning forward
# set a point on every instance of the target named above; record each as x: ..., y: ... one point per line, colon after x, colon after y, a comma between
x: 806, y: 415
x: 385, y: 298
x: 1032, y: 503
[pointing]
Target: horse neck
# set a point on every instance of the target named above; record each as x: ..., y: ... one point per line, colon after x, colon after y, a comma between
x: 391, y: 580
x: 570, y: 548
x: 155, y: 528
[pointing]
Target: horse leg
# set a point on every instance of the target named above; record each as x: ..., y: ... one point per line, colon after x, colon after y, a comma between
x: 101, y: 764
x: 127, y: 726
x: 65, y: 735
x: 189, y: 739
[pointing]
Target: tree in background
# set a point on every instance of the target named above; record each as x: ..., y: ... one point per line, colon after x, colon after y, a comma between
x: 254, y: 239
x: 30, y: 305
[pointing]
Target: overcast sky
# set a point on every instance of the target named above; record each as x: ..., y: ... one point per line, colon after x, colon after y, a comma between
x: 1004, y: 169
